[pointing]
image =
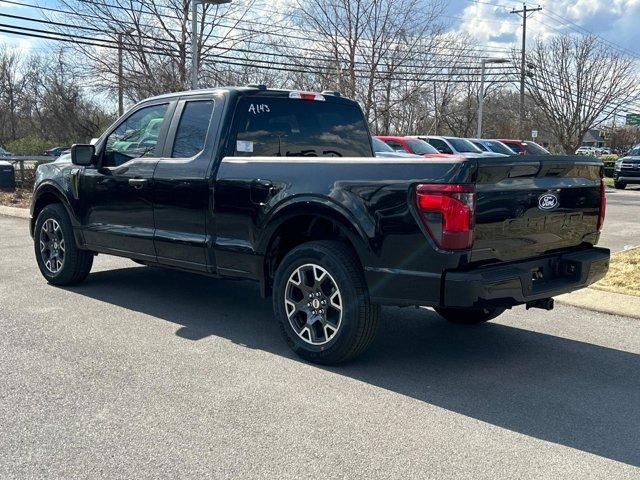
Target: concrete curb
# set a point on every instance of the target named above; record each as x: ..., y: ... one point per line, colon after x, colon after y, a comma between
x: 15, y: 212
x: 604, y: 302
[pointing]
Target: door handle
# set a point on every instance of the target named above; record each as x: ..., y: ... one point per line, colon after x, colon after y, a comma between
x: 138, y: 182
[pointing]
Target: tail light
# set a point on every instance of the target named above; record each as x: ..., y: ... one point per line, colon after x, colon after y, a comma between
x: 448, y: 213
x: 603, y: 205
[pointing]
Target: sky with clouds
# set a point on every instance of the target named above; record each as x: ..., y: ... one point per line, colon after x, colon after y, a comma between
x: 492, y: 23
x: 487, y: 20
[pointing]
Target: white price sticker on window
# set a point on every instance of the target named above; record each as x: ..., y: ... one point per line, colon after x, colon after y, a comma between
x: 244, y: 146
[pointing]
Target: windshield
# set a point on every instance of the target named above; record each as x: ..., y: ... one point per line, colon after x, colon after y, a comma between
x: 536, y: 149
x: 497, y: 147
x: 463, y: 146
x: 420, y: 147
x: 635, y: 152
x: 380, y: 146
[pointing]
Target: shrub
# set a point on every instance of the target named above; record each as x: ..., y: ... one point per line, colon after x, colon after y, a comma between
x: 30, y: 146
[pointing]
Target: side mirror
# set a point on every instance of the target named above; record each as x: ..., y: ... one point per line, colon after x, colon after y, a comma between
x: 83, y: 155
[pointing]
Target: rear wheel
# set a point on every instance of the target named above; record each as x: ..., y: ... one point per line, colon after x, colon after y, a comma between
x: 619, y: 185
x: 322, y: 303
x: 469, y: 316
x: 60, y: 261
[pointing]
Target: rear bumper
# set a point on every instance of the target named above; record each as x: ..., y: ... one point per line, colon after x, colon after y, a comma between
x: 513, y: 284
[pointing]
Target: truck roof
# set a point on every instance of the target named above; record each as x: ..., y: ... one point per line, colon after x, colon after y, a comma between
x: 249, y: 90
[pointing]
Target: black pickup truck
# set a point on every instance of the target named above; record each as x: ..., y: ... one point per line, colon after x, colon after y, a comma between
x: 282, y: 187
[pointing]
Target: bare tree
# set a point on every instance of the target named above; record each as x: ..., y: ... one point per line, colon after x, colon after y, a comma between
x: 368, y: 46
x: 578, y: 84
x: 155, y: 37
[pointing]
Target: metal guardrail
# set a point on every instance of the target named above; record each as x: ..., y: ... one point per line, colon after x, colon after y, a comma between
x: 23, y: 164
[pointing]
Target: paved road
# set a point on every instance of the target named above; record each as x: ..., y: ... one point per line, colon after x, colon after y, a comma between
x: 141, y: 373
x: 622, y: 225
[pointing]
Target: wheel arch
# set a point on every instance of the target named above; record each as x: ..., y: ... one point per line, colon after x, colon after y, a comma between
x: 304, y: 220
x: 48, y: 194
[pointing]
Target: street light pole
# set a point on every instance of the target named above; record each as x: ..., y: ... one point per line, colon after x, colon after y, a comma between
x: 195, y: 36
x: 481, y: 94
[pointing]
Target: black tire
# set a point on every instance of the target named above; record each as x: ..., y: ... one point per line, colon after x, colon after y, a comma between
x: 76, y: 263
x: 469, y: 316
x: 359, y: 318
x: 619, y: 186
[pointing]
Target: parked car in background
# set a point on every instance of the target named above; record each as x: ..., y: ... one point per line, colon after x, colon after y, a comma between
x: 457, y: 146
x: 586, y: 151
x: 525, y: 147
x: 627, y: 169
x: 4, y: 153
x: 411, y: 145
x: 56, y: 152
x: 382, y: 150
x: 493, y: 146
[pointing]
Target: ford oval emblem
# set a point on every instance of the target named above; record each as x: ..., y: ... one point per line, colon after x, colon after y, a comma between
x: 548, y: 201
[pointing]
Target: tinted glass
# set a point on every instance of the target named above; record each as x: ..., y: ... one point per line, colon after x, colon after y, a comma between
x: 420, y: 147
x: 440, y: 145
x: 634, y: 152
x: 291, y: 128
x: 480, y: 145
x: 497, y: 147
x: 380, y: 146
x: 516, y: 147
x: 463, y: 146
x: 136, y: 137
x: 396, y: 146
x: 536, y: 149
x: 193, y: 128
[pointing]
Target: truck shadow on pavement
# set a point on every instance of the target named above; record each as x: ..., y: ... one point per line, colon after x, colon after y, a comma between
x: 563, y: 391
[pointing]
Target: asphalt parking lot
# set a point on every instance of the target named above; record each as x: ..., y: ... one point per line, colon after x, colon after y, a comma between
x: 144, y: 373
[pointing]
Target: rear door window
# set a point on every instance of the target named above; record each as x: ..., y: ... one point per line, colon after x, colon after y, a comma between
x: 300, y: 128
x: 193, y: 128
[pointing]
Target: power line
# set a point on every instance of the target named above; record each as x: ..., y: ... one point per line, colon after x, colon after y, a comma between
x: 244, y: 62
x: 235, y: 49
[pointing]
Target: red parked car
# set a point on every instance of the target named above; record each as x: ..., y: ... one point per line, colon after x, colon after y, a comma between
x: 525, y: 147
x: 412, y: 145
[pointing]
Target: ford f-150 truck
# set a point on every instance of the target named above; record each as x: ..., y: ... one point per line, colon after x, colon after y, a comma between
x: 282, y: 187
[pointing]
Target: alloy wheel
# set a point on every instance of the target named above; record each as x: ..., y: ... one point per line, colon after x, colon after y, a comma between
x: 313, y: 304
x: 52, y: 247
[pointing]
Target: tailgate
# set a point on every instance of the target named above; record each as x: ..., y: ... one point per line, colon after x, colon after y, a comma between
x: 530, y: 205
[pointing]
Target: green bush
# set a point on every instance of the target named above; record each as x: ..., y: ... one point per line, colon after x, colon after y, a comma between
x: 30, y: 146
x: 609, y: 163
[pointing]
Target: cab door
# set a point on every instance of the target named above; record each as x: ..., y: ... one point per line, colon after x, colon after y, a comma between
x: 182, y: 186
x: 116, y: 197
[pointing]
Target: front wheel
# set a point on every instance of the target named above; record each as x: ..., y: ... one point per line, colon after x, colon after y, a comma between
x: 619, y: 185
x: 322, y: 303
x: 469, y: 316
x: 60, y: 261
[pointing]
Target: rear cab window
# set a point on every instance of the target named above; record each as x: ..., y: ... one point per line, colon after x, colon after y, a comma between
x: 277, y: 126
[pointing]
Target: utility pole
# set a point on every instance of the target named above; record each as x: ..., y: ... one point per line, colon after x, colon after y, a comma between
x: 120, y: 79
x: 523, y: 73
x: 195, y: 36
x: 435, y: 109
